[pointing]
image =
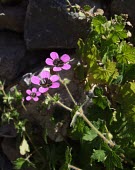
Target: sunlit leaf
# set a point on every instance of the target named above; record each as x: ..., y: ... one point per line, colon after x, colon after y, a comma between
x: 99, y: 155
x: 19, y: 163
x: 108, y: 73
x: 126, y: 53
x: 24, y: 147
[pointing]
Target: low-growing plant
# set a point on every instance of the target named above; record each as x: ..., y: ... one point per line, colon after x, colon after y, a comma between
x: 101, y: 136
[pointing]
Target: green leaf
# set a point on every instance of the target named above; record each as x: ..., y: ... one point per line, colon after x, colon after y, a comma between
x: 107, y: 73
x: 80, y: 50
x: 113, y: 160
x: 129, y: 72
x: 126, y: 100
x: 118, y: 33
x: 68, y: 155
x: 99, y: 155
x: 24, y: 147
x: 92, y: 55
x: 79, y: 128
x: 98, y: 23
x: 98, y: 91
x: 126, y: 53
x: 86, y: 7
x: 101, y: 101
x: 90, y: 135
x: 19, y: 163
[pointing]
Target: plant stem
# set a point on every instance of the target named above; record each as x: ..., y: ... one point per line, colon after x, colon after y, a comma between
x: 60, y: 103
x: 34, y: 145
x: 73, y: 167
x: 81, y: 114
x: 68, y: 91
x: 70, y: 94
x: 5, y: 95
x: 23, y: 106
x: 68, y: 2
x: 95, y: 129
x: 64, y: 106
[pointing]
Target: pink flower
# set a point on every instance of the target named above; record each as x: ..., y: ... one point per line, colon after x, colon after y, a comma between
x: 45, y: 81
x: 33, y: 94
x: 58, y: 63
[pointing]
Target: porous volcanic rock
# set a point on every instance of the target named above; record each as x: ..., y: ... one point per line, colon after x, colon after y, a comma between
x: 12, y: 52
x: 50, y: 25
x: 13, y: 17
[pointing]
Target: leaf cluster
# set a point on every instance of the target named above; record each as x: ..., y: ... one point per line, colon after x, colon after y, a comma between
x: 108, y: 61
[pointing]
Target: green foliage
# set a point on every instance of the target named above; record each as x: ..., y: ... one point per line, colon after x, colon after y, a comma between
x: 99, y: 155
x: 22, y: 163
x: 68, y: 158
x: 89, y: 134
x: 112, y: 161
x: 108, y: 61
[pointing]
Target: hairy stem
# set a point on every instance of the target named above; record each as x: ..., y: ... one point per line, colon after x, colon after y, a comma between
x: 95, y: 129
x: 64, y: 106
x: 34, y: 145
x: 81, y: 114
x: 65, y: 85
x: 73, y: 167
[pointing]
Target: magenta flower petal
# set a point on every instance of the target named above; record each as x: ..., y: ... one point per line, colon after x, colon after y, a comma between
x: 35, y: 80
x: 45, y: 74
x: 43, y: 90
x: 65, y: 58
x: 34, y: 90
x: 28, y: 98
x: 54, y: 55
x: 57, y: 69
x: 28, y: 91
x: 35, y: 99
x: 66, y: 67
x: 54, y: 78
x: 49, y: 62
x: 38, y: 93
x: 55, y: 85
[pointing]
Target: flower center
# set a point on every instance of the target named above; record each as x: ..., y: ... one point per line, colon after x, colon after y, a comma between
x: 58, y: 63
x: 45, y: 82
x: 33, y: 94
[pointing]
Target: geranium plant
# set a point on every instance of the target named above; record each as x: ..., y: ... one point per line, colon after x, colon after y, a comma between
x: 100, y: 136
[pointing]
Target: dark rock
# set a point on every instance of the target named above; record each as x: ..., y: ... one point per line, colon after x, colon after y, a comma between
x: 50, y: 25
x: 8, y: 131
x: 5, y: 163
x: 12, y: 52
x: 10, y: 148
x: 10, y: 2
x: 91, y: 3
x: 12, y: 17
x: 124, y: 7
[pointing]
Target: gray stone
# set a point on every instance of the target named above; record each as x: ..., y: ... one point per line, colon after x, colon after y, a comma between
x: 124, y: 7
x: 50, y: 25
x: 13, y: 17
x: 12, y: 52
